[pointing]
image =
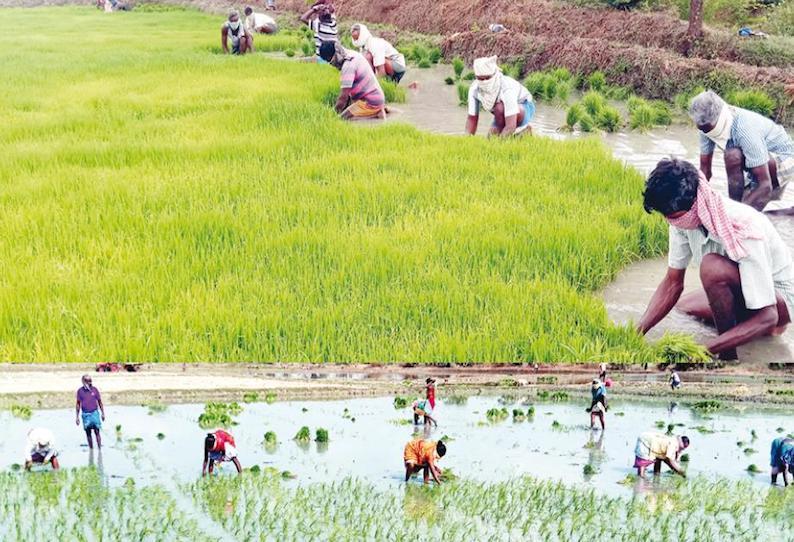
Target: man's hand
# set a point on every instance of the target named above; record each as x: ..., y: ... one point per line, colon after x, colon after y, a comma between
x: 103, y: 416
x: 77, y: 421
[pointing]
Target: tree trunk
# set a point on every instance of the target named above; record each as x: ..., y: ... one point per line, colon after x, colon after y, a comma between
x: 695, y: 31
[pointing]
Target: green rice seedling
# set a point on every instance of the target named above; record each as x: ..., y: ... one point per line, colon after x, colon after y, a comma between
x: 662, y: 114
x: 160, y: 436
x: 507, y: 399
x: 753, y: 434
x: 304, y: 409
x: 589, y: 470
x: 458, y: 66
x: 586, y: 122
x: 752, y: 468
x: 118, y: 429
x: 670, y: 428
x: 535, y: 83
x: 401, y: 421
x: 449, y: 81
x: 618, y: 93
x: 495, y: 415
x: 400, y: 402
x: 561, y: 74
x: 750, y: 451
x: 684, y: 458
x: 434, y: 55
x: 702, y: 429
x: 562, y: 91
x: 456, y: 399
x: 321, y: 435
x: 156, y: 408
x: 683, y: 99
x: 707, y: 405
x: 303, y: 434
x: 679, y: 348
x: 418, y: 52
x: 593, y: 103
x: 250, y: 397
x: 394, y: 93
x: 573, y: 116
x: 556, y: 425
x: 218, y: 415
x: 424, y: 63
x: 509, y: 382
x: 271, y: 439
x: 254, y: 469
x: 287, y: 475
x: 608, y: 119
x: 513, y: 70
x: 660, y: 424
x: 463, y: 93
x: 740, y: 443
x: 780, y: 430
x: 753, y: 100
x: 308, y: 48
x: 469, y: 76
x: 270, y: 397
x: 290, y: 52
x: 549, y: 379
x: 596, y: 81
x: 531, y: 412
x: 518, y: 415
x: 559, y: 396
x: 22, y: 412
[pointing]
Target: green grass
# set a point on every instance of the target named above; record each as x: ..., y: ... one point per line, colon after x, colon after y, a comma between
x: 164, y: 203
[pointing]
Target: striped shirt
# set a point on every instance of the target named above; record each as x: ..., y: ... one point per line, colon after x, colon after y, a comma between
x: 358, y: 76
x: 757, y: 136
x: 323, y: 31
x: 766, y: 268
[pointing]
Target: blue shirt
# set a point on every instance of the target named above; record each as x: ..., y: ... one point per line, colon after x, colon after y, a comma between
x: 757, y: 137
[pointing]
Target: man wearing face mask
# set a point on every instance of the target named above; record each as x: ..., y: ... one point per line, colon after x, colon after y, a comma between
x: 745, y: 268
x: 508, y: 100
x: 361, y: 96
x: 385, y: 60
x: 234, y: 30
x: 759, y: 154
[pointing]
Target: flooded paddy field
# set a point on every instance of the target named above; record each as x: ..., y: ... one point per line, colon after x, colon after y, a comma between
x: 513, y: 480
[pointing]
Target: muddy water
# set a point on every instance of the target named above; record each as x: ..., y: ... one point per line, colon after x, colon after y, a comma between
x: 371, y: 446
x: 433, y: 107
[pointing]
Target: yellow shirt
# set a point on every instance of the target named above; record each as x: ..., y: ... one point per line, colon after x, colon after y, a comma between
x: 660, y: 446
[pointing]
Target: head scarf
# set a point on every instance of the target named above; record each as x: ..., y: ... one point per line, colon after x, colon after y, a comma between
x: 708, y: 210
x: 364, y: 36
x: 722, y: 129
x: 488, y: 90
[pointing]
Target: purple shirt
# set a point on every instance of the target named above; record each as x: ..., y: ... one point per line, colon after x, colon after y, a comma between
x: 357, y: 75
x: 88, y: 398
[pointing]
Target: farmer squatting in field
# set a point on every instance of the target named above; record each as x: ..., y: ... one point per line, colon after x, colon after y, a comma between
x: 420, y: 454
x: 385, y: 60
x: 361, y: 96
x: 745, y: 267
x: 508, y: 100
x: 40, y: 448
x: 258, y: 23
x: 782, y: 458
x: 234, y: 30
x: 759, y: 154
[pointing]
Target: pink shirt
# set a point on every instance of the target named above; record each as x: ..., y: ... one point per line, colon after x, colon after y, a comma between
x: 358, y: 76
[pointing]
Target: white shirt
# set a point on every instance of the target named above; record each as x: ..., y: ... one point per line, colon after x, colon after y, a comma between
x: 380, y: 49
x: 40, y: 441
x: 767, y: 266
x: 512, y: 93
x: 258, y: 20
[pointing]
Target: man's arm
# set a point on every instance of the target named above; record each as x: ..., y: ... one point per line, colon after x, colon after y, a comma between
x: 342, y: 101
x: 380, y: 71
x: 511, y: 123
x: 101, y: 406
x: 760, y: 323
x: 224, y: 36
x: 674, y: 466
x: 663, y: 300
x: 206, y: 461
x: 705, y: 165
x: 471, y: 124
x: 759, y: 196
x: 77, y: 412
x: 237, y: 464
x: 307, y: 17
x: 434, y: 472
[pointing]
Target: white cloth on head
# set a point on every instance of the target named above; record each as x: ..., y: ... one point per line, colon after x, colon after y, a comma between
x: 380, y: 49
x: 488, y: 89
x: 255, y: 21
x: 722, y: 129
x: 363, y: 36
x: 40, y: 441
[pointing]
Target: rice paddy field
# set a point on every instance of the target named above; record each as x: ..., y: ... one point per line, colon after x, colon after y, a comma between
x: 543, y: 476
x: 163, y: 202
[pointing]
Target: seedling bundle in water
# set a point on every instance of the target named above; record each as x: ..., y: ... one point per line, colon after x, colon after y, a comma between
x: 21, y: 411
x: 219, y: 415
x: 304, y: 434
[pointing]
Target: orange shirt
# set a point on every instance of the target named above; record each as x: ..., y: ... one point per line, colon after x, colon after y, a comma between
x: 420, y: 452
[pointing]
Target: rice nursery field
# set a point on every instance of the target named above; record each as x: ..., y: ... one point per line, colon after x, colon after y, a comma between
x: 145, y: 485
x: 163, y: 202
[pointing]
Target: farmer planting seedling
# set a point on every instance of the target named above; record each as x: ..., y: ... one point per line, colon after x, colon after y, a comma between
x: 421, y: 454
x: 89, y: 404
x: 745, y: 267
x: 384, y: 59
x: 508, y: 100
x: 655, y: 448
x: 422, y: 409
x: 234, y: 30
x: 258, y: 23
x: 782, y: 459
x: 759, y: 154
x: 361, y: 96
x: 219, y: 447
x: 40, y: 448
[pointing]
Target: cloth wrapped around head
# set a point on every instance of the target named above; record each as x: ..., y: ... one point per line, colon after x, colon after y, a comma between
x: 489, y: 81
x: 709, y: 211
x: 363, y: 35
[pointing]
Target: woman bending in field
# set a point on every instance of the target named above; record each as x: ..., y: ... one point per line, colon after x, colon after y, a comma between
x: 420, y: 454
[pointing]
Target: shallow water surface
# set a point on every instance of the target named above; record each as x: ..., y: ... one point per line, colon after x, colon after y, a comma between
x: 371, y: 447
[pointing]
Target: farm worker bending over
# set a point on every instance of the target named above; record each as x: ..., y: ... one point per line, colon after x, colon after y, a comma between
x: 599, y: 395
x: 597, y: 411
x: 751, y: 143
x: 655, y: 448
x: 40, y: 448
x: 508, y: 100
x: 381, y: 55
x: 258, y: 23
x: 782, y: 458
x: 420, y: 454
x: 745, y: 268
x: 218, y: 447
x: 234, y: 30
x: 423, y: 408
x: 361, y: 96
x: 321, y: 19
x: 90, y: 402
